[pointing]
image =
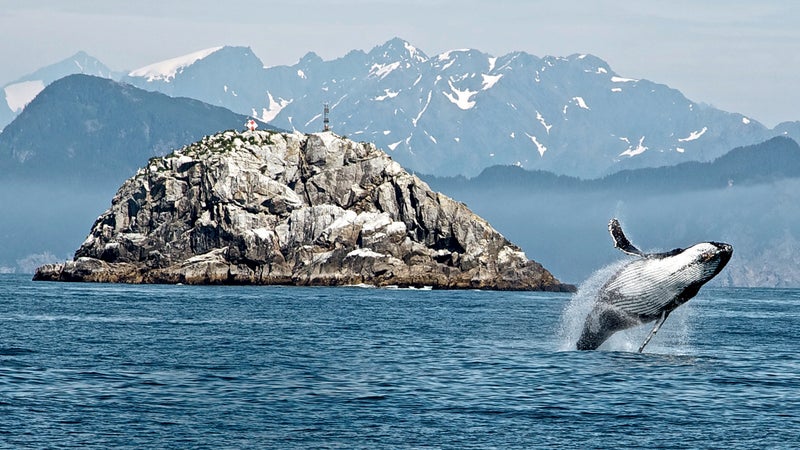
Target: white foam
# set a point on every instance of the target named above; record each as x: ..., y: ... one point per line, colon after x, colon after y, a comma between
x: 580, y: 305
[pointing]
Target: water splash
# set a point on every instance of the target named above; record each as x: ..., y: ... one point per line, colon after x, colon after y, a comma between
x: 673, y: 338
x: 580, y: 305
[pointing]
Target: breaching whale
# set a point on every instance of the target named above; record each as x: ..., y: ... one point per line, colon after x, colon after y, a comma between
x: 650, y: 287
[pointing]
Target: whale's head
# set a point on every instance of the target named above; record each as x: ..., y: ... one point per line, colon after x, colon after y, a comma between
x: 706, y: 259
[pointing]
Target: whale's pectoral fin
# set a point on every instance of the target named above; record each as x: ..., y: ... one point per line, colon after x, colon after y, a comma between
x: 660, y: 321
x: 620, y: 241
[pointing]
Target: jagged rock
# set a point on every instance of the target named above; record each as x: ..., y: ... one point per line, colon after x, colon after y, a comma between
x: 286, y: 208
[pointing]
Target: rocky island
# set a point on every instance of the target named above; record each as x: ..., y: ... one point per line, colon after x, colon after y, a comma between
x: 263, y: 207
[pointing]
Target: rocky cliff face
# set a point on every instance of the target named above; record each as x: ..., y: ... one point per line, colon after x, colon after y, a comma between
x: 272, y: 208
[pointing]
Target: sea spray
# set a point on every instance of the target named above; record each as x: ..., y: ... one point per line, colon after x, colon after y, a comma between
x: 575, y: 312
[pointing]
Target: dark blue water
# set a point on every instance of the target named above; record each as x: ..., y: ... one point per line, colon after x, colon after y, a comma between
x: 117, y: 366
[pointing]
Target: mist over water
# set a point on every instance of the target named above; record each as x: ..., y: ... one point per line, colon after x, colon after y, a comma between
x: 43, y: 224
x: 567, y: 231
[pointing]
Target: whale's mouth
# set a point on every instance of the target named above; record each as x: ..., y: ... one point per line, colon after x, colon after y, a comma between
x: 723, y: 249
x: 722, y: 253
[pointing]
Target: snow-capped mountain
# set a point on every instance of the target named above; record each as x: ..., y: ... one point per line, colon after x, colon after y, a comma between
x: 464, y: 110
x: 19, y: 93
x: 232, y: 77
x: 166, y: 70
x: 457, y: 112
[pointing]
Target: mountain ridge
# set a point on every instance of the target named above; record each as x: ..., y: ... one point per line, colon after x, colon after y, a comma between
x: 463, y: 110
x: 774, y: 159
x: 17, y: 94
x: 83, y: 128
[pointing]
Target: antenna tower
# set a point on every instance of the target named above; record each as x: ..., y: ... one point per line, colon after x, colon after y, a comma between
x: 325, y: 121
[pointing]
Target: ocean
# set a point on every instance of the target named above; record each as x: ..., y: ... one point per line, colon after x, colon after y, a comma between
x: 157, y: 366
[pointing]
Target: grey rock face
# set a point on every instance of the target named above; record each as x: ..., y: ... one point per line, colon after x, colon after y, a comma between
x: 271, y: 208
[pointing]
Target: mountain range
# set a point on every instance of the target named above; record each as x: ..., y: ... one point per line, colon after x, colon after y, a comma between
x: 19, y: 93
x: 65, y: 153
x: 462, y: 111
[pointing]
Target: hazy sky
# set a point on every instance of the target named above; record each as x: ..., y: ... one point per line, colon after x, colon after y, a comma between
x: 740, y: 56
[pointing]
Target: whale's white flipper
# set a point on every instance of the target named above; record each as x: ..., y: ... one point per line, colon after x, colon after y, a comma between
x: 655, y: 329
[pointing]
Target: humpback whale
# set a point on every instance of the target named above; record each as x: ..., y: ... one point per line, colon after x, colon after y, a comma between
x: 649, y: 287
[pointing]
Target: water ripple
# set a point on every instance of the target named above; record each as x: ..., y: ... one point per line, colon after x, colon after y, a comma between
x: 114, y: 366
